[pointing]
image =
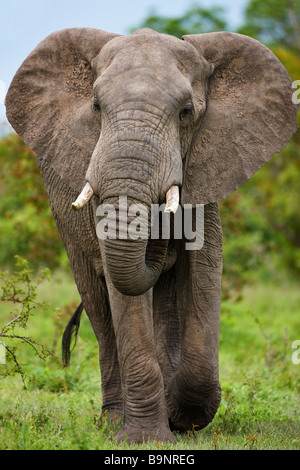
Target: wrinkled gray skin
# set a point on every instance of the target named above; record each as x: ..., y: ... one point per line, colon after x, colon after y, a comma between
x: 134, y: 115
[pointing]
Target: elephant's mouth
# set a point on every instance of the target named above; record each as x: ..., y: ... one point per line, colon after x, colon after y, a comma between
x: 134, y: 265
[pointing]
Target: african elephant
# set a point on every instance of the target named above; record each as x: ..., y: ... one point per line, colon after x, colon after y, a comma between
x: 135, y: 116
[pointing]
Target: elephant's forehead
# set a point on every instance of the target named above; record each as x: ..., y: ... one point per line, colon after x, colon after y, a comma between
x: 146, y: 48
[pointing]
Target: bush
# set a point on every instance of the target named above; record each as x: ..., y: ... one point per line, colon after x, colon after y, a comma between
x: 19, y: 290
x: 27, y: 226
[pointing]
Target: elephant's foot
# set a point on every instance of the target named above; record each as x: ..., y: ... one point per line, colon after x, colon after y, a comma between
x: 185, y: 416
x: 140, y: 435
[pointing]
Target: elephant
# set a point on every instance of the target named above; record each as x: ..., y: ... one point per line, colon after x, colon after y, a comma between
x: 143, y: 116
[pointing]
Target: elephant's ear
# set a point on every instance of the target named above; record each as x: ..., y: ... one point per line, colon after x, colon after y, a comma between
x: 249, y: 117
x: 49, y: 101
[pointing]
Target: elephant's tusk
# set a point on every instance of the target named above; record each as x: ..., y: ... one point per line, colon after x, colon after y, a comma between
x: 83, y: 197
x: 172, y: 199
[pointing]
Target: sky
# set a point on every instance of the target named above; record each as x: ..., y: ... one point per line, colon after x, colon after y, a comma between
x: 24, y: 23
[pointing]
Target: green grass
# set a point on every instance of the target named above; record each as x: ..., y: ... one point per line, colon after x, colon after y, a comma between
x: 260, y: 384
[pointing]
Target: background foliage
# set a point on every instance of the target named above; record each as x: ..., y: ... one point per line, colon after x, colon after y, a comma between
x: 27, y: 227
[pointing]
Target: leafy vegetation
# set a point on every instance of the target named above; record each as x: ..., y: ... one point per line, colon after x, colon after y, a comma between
x: 196, y: 20
x: 20, y: 291
x: 273, y: 22
x: 27, y: 226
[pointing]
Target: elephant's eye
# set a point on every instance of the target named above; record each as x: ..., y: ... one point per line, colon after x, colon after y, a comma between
x: 186, y: 111
x: 96, y: 105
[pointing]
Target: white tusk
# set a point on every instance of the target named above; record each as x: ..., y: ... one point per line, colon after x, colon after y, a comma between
x: 83, y: 197
x: 172, y: 199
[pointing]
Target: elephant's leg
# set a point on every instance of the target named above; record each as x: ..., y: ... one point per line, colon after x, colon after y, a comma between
x: 93, y: 292
x: 166, y: 324
x: 194, y: 394
x: 145, y: 413
x: 98, y: 311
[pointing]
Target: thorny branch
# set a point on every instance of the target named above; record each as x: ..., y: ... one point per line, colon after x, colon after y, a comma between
x: 20, y: 289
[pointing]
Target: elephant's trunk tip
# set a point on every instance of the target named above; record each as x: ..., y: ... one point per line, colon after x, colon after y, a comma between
x: 172, y: 199
x: 83, y: 197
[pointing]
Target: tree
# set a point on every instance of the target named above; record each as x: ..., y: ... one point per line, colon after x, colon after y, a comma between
x: 273, y: 22
x: 195, y: 20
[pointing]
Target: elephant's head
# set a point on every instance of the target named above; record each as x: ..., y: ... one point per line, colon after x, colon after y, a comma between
x: 136, y: 115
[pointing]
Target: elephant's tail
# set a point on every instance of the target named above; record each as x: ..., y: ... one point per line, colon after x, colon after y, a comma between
x: 70, y: 332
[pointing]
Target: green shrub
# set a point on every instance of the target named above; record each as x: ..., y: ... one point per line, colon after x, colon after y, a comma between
x: 19, y: 290
x: 27, y: 226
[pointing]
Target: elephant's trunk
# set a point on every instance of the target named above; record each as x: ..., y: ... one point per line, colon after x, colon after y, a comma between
x: 135, y: 265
